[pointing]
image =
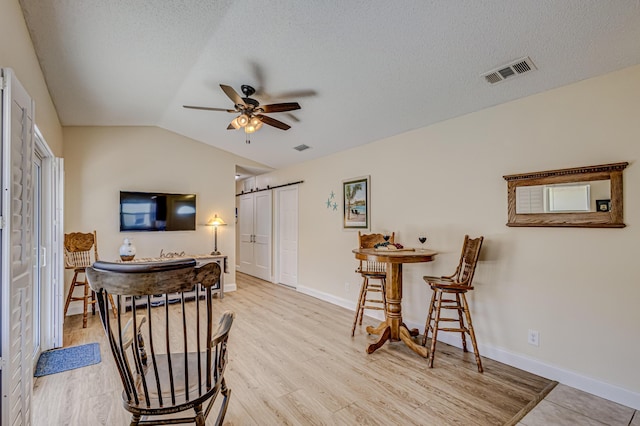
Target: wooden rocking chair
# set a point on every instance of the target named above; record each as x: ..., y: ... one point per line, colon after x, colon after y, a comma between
x: 169, y: 356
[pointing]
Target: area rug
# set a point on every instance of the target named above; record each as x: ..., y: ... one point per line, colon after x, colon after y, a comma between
x: 59, y: 360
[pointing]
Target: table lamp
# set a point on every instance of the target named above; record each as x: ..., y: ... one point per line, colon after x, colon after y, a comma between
x: 215, y: 222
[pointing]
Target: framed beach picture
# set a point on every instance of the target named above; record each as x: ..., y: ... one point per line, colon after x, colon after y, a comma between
x: 355, y: 200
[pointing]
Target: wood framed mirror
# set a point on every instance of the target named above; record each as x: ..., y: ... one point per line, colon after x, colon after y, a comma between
x: 587, y: 197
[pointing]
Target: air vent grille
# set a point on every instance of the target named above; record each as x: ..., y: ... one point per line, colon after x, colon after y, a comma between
x: 301, y: 147
x: 512, y: 69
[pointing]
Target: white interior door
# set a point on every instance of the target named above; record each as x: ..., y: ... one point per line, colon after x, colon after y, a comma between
x: 16, y: 319
x: 262, y: 235
x: 287, y: 235
x: 49, y: 234
x: 245, y: 228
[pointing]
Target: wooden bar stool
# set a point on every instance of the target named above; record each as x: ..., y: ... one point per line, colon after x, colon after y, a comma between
x: 80, y: 251
x: 369, y: 271
x: 449, y: 293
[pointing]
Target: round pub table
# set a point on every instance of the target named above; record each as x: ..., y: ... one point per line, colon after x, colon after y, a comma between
x: 393, y: 329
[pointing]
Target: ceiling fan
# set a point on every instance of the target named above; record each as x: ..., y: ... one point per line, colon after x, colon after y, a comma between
x: 251, y: 116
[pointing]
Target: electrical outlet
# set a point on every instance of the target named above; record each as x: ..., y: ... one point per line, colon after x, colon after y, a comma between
x: 534, y: 337
x: 346, y: 287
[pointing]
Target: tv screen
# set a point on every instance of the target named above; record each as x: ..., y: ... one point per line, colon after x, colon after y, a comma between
x: 154, y: 211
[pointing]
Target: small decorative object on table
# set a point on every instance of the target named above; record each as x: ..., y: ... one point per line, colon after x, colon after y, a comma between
x: 127, y: 250
x: 387, y: 246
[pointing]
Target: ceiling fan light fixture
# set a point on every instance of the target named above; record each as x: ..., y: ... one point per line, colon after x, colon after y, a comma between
x: 235, y: 123
x: 243, y: 120
x: 250, y: 111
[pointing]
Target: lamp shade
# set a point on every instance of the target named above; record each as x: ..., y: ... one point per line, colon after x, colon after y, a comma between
x: 243, y: 120
x: 216, y: 221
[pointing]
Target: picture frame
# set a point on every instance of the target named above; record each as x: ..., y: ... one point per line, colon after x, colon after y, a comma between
x: 603, y: 205
x: 356, y: 198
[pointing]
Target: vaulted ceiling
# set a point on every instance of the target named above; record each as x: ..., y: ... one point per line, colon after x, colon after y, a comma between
x: 362, y: 70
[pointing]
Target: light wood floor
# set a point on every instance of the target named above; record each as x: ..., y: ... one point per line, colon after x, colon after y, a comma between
x: 293, y: 362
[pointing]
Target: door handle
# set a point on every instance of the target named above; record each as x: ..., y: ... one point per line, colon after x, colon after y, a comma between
x: 43, y: 256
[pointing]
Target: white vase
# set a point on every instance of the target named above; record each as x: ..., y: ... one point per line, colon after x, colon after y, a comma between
x: 127, y: 250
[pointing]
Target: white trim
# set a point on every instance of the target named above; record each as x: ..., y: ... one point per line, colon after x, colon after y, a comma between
x: 570, y: 378
x: 57, y: 251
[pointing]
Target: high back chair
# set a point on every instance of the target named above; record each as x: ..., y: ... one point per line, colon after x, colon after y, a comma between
x: 371, y: 270
x: 169, y: 356
x: 80, y: 251
x: 449, y: 292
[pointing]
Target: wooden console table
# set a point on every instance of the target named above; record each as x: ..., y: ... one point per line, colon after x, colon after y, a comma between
x: 201, y: 259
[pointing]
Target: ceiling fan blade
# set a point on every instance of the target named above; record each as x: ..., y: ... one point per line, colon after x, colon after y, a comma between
x: 209, y: 109
x: 295, y: 94
x: 293, y: 117
x: 273, y: 122
x: 232, y: 94
x: 283, y: 107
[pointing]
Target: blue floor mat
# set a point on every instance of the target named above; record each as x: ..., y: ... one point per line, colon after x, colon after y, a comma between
x: 58, y: 360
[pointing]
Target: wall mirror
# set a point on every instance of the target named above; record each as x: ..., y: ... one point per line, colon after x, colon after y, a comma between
x: 589, y: 197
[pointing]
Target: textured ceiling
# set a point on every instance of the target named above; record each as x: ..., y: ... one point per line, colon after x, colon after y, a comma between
x: 362, y: 70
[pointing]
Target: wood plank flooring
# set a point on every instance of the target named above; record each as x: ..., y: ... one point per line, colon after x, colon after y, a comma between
x: 292, y: 361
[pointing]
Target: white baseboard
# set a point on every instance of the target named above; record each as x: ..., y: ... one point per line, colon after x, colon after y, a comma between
x: 570, y: 378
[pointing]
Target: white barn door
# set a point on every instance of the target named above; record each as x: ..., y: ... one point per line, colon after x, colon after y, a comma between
x: 245, y: 229
x: 262, y: 235
x: 16, y: 344
x: 254, y: 227
x: 287, y: 235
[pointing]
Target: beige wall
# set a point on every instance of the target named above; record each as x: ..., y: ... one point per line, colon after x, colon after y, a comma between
x: 578, y: 287
x: 102, y: 161
x: 16, y: 52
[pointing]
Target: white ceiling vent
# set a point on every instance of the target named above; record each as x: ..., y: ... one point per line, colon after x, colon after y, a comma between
x: 513, y: 69
x: 301, y: 147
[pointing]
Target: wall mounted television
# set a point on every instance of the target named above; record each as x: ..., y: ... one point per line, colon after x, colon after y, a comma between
x: 157, y: 211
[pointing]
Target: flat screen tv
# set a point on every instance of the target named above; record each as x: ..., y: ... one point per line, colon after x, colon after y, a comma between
x: 155, y: 211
